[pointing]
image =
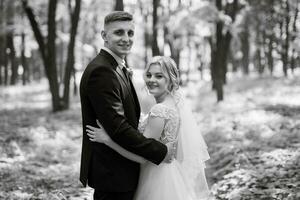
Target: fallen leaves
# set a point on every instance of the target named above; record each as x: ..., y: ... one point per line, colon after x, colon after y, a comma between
x: 253, y: 139
x: 254, y: 146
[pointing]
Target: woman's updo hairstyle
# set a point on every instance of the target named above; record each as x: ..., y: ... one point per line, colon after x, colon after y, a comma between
x: 169, y: 69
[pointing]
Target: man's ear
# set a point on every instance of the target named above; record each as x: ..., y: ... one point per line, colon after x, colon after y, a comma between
x: 103, y: 35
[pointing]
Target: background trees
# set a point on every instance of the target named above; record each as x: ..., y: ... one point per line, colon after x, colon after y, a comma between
x: 47, y: 48
x: 245, y: 52
x: 207, y: 39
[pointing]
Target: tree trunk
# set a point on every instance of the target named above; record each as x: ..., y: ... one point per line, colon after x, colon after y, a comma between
x: 258, y: 60
x: 70, y: 60
x: 6, y: 78
x: 264, y: 49
x: 147, y: 40
x: 294, y: 53
x: 48, y: 50
x: 25, y: 75
x: 212, y: 62
x: 61, y: 54
x: 282, y: 53
x: 258, y: 53
x: 51, y: 57
x: 12, y: 58
x: 231, y: 9
x: 284, y: 40
x: 199, y: 60
x: 221, y: 48
x: 233, y: 60
x: 175, y: 54
x: 224, y: 53
x: 245, y: 48
x: 10, y: 42
x: 155, y: 49
x: 37, y: 33
x: 218, y: 65
x: 119, y: 5
x: 287, y: 39
x: 2, y: 41
x: 75, y: 87
x: 270, y: 53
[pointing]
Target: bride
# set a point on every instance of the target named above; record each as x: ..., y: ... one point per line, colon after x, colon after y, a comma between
x: 170, y: 121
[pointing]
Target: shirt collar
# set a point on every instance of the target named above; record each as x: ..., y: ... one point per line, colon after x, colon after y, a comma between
x: 120, y: 61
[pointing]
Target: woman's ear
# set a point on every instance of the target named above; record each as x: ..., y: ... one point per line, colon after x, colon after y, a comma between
x: 170, y: 87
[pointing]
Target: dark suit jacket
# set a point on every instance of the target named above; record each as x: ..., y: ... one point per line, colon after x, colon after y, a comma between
x: 107, y: 95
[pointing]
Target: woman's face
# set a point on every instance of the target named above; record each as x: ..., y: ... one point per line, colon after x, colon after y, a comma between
x: 156, y: 81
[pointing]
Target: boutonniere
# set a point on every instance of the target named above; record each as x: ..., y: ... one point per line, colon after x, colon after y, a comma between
x: 130, y: 71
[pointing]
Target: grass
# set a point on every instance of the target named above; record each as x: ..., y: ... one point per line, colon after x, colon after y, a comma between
x: 253, y: 138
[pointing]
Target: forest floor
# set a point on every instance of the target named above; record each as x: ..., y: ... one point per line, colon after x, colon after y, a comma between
x: 253, y: 138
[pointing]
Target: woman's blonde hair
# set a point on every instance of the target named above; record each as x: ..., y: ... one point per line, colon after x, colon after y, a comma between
x: 169, y: 69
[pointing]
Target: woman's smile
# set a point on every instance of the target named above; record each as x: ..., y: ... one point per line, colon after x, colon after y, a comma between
x: 156, y: 81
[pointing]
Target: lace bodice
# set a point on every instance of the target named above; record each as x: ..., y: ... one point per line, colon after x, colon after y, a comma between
x: 171, y: 118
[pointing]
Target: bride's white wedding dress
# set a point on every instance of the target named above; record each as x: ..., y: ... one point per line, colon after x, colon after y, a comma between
x: 183, y: 178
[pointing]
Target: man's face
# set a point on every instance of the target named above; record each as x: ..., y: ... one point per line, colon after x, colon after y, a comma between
x: 118, y: 37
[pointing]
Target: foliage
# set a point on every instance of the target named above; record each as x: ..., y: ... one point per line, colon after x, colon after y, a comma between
x: 40, y: 151
x: 253, y: 139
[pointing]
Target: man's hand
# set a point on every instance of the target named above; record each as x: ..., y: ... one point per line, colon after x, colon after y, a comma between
x: 171, y: 152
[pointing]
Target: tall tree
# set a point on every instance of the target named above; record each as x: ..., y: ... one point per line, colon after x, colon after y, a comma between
x: 25, y: 75
x: 245, y: 43
x: 2, y: 40
x: 147, y: 37
x: 119, y: 5
x: 74, y: 17
x: 10, y: 42
x: 221, y: 48
x: 286, y: 43
x: 270, y: 37
x: 293, y: 37
x: 155, y: 48
x: 48, y: 50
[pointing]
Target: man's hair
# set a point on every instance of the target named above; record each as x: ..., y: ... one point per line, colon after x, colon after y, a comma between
x: 117, y: 16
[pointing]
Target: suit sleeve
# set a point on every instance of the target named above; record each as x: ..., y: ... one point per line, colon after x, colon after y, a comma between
x: 103, y: 90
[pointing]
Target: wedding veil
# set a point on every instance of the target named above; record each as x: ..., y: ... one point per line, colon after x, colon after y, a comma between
x: 192, y: 149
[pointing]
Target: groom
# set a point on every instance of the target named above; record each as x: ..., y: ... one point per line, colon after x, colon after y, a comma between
x: 107, y: 94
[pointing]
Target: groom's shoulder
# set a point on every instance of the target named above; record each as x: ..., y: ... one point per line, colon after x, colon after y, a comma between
x: 102, y: 60
x: 99, y: 63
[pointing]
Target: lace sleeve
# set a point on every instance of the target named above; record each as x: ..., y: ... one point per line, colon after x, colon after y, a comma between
x: 142, y: 123
x: 159, y: 110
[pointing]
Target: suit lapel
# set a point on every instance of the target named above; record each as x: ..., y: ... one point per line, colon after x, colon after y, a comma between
x: 137, y: 103
x: 122, y: 75
x: 114, y: 63
x: 129, y: 86
x: 122, y: 78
